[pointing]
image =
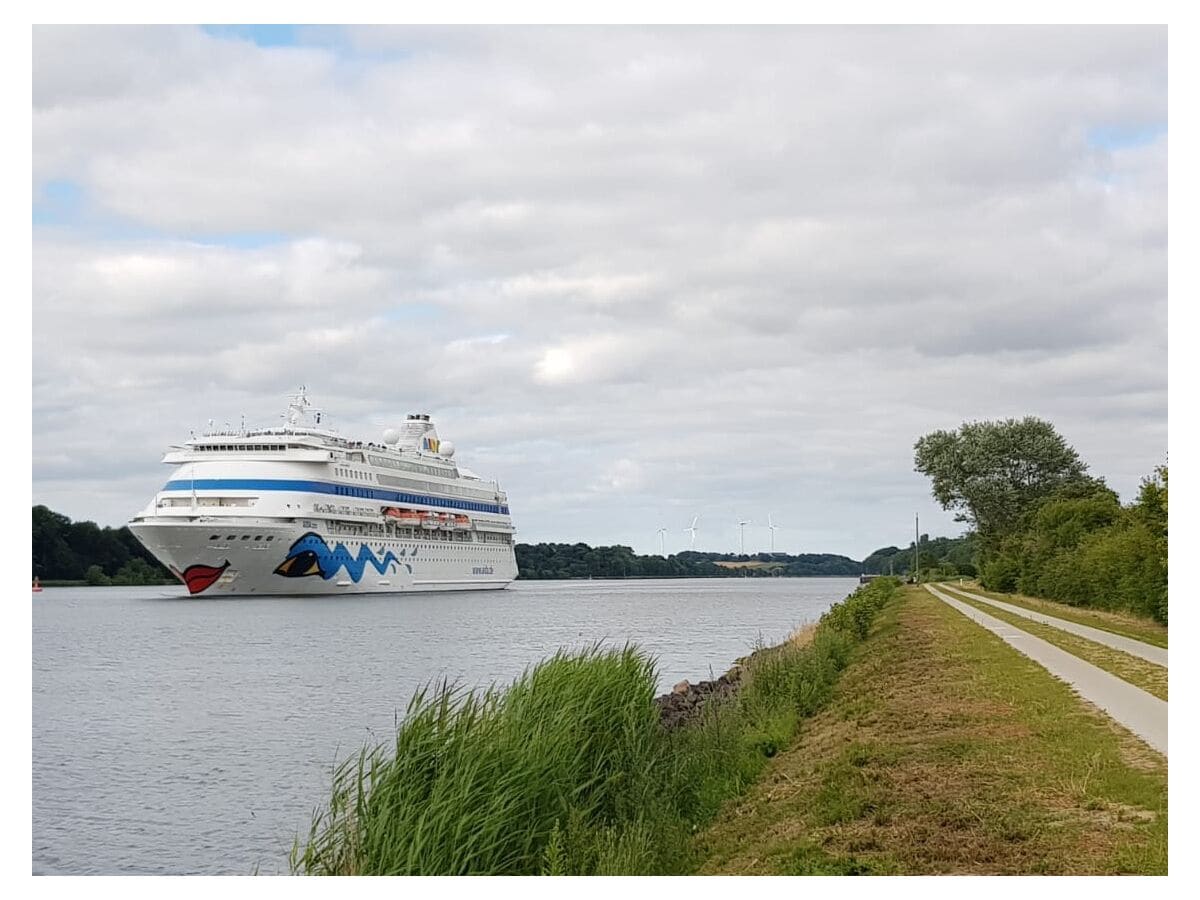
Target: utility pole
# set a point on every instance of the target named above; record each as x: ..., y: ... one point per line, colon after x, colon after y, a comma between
x: 917, y: 550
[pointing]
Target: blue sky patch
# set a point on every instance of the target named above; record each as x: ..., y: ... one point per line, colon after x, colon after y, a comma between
x: 58, y: 203
x: 263, y: 35
x: 413, y: 312
x: 1122, y: 137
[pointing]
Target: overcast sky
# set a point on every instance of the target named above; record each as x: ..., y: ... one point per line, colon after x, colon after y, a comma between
x: 638, y: 275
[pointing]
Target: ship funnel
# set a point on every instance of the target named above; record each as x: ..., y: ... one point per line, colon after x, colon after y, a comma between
x: 418, y: 434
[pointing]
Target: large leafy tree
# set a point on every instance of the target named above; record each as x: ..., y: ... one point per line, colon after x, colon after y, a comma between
x: 992, y: 474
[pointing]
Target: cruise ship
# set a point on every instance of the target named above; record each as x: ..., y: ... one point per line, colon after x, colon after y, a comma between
x: 299, y: 509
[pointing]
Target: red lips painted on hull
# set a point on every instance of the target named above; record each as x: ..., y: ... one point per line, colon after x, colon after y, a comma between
x: 199, y: 577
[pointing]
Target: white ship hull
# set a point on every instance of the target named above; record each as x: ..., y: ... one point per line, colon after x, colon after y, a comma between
x: 290, y: 560
x: 301, y: 510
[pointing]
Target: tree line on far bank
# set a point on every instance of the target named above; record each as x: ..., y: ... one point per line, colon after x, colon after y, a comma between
x: 937, y: 557
x: 1042, y: 525
x: 83, y: 551
x: 579, y: 560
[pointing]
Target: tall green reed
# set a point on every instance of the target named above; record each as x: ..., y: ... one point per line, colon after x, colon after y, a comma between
x: 568, y: 770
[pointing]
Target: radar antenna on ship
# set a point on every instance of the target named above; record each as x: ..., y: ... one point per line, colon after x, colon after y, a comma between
x: 299, y: 407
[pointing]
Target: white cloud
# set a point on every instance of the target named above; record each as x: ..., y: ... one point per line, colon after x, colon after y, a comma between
x: 720, y: 270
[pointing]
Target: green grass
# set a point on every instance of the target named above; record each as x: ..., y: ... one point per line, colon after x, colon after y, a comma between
x: 568, y: 770
x: 1123, y: 623
x: 1139, y: 672
x: 944, y: 750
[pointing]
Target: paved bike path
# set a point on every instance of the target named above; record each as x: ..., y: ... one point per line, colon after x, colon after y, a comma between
x: 1148, y: 652
x: 1142, y: 713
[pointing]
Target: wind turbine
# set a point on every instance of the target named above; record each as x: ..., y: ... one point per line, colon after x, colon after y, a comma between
x: 692, y: 529
x: 772, y: 526
x: 742, y: 523
x: 662, y: 542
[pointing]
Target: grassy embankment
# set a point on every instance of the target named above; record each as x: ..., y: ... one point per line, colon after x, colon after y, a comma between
x: 568, y: 770
x: 1126, y: 624
x: 1140, y: 672
x: 944, y: 750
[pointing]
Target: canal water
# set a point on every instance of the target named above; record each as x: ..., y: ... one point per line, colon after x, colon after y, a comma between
x: 192, y: 735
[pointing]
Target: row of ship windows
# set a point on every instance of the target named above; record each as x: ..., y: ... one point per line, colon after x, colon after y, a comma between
x: 483, y: 537
x: 412, y: 484
x: 253, y: 447
x: 392, y: 481
x: 370, y: 529
x: 347, y: 491
x: 409, y: 467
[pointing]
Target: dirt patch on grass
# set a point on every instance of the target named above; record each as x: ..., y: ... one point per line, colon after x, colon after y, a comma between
x: 802, y: 635
x: 944, y: 751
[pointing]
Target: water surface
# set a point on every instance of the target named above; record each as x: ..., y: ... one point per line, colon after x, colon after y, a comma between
x: 194, y: 735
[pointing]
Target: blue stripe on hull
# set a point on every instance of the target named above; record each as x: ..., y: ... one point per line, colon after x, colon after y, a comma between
x: 322, y: 487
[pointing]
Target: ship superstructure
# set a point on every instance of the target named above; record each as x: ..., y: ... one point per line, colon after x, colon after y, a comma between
x: 299, y: 509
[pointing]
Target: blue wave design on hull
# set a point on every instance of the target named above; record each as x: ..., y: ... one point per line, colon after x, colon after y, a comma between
x: 311, y: 555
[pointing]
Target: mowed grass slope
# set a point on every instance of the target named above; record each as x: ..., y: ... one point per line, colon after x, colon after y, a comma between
x: 943, y: 750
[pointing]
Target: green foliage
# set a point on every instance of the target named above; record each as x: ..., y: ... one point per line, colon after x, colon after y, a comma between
x: 67, y: 551
x: 1000, y: 574
x: 95, y: 576
x: 1114, y: 568
x: 1152, y: 502
x: 949, y: 556
x: 1151, y: 509
x: 560, y: 561
x: 1059, y: 523
x: 1085, y: 549
x: 1044, y: 526
x: 568, y: 770
x: 992, y: 473
x: 138, y: 571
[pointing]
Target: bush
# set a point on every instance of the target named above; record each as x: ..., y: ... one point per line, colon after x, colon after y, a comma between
x: 1085, y: 549
x: 95, y: 576
x: 1000, y: 575
x: 138, y: 571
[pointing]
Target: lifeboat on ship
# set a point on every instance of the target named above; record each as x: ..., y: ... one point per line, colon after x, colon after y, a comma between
x: 429, y: 520
x: 403, y: 516
x: 462, y: 523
